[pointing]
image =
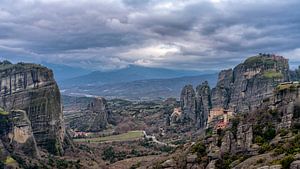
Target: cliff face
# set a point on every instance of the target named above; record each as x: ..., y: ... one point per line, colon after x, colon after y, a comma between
x: 270, y: 132
x: 195, y: 106
x: 220, y: 96
x: 287, y: 101
x: 94, y: 118
x: 243, y: 88
x: 203, y: 103
x: 31, y: 96
x: 188, y: 103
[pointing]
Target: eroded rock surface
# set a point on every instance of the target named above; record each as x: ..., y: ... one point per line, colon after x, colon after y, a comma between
x: 188, y: 104
x: 31, y: 97
x: 248, y: 84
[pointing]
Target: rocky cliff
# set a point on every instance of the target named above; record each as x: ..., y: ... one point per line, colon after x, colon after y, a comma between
x: 188, y: 103
x: 240, y: 90
x: 31, y: 118
x: 93, y: 119
x: 266, y: 137
x: 243, y: 88
x: 195, y: 105
x: 203, y: 103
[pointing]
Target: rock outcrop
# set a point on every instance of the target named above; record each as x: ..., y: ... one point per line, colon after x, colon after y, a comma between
x: 188, y: 104
x: 287, y: 101
x: 93, y: 119
x: 195, y: 106
x: 31, y: 116
x: 248, y: 84
x: 263, y: 128
x: 220, y: 96
x: 203, y: 103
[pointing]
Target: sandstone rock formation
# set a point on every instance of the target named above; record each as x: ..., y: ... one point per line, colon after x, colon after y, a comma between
x: 203, y: 103
x: 195, y: 106
x: 220, y: 96
x: 287, y: 102
x: 265, y: 126
x: 188, y: 104
x: 31, y: 113
x: 248, y: 84
x: 93, y: 119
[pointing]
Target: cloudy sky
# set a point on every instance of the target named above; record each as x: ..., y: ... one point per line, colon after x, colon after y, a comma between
x: 181, y: 34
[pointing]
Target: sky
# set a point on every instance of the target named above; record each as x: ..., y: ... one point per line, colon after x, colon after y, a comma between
x: 177, y: 34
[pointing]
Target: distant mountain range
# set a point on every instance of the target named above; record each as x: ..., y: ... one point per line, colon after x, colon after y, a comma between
x: 132, y: 82
x: 150, y: 89
x: 64, y: 72
x: 128, y: 74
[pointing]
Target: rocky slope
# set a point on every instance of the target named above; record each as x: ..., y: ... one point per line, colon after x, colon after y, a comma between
x: 31, y: 114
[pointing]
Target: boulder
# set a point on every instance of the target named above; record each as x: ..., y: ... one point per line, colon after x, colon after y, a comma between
x: 295, y: 165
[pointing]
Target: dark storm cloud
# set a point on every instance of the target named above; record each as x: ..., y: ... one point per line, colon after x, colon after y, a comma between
x: 191, y: 34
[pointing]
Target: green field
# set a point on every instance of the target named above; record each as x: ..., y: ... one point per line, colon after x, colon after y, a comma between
x: 132, y: 135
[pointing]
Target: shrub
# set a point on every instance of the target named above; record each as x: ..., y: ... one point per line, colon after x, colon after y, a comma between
x: 166, y: 149
x: 109, y: 154
x: 259, y: 140
x: 286, y: 162
x: 225, y: 162
x: 265, y: 147
x: 283, y: 132
x: 235, y: 123
x: 53, y: 147
x: 270, y: 133
x: 279, y: 150
x: 208, y: 132
x: 200, y: 149
x: 261, y: 160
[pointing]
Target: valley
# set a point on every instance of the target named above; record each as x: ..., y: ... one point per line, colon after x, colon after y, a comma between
x: 249, y: 119
x: 149, y: 84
